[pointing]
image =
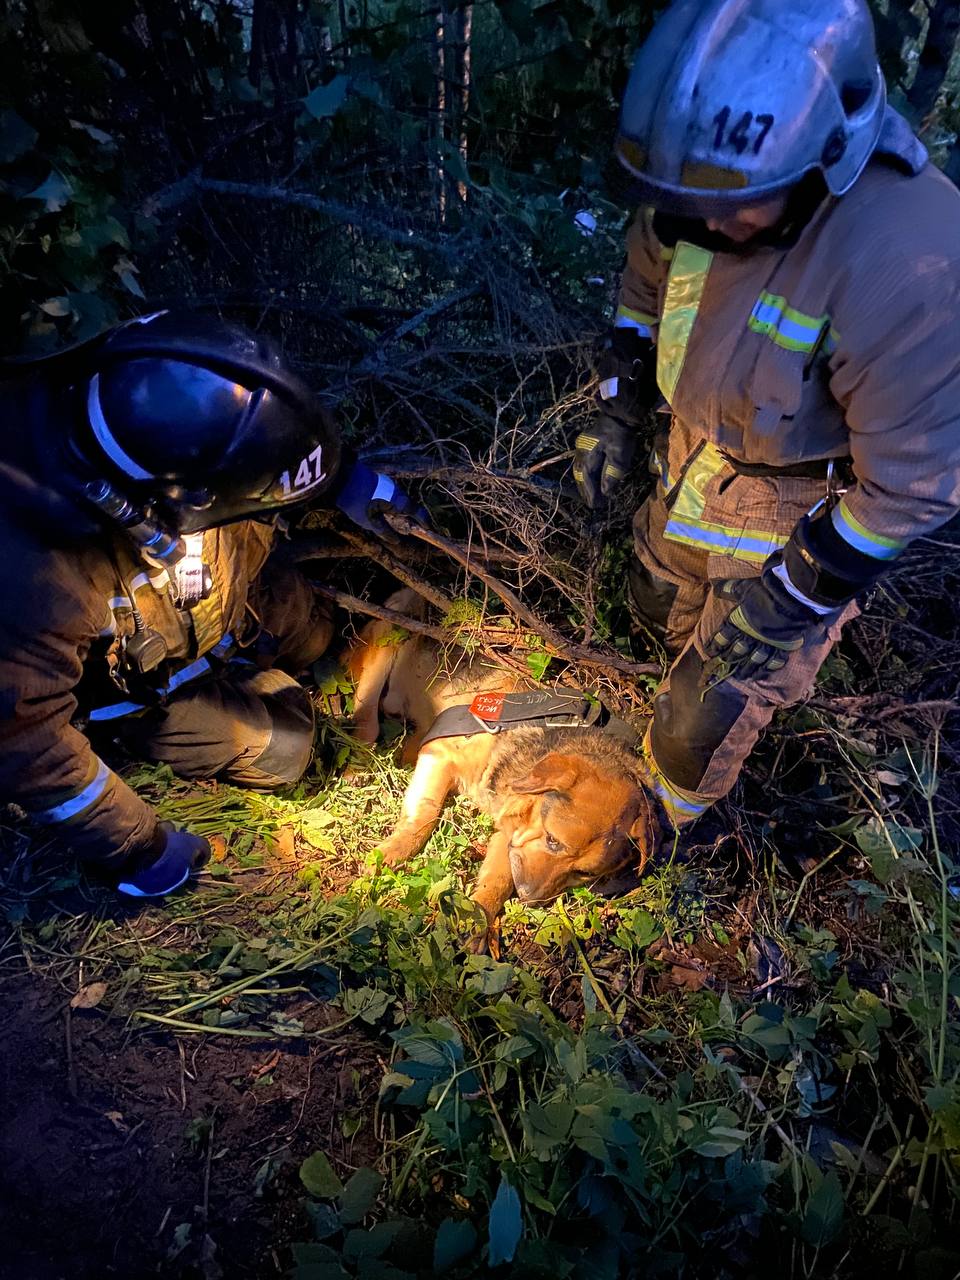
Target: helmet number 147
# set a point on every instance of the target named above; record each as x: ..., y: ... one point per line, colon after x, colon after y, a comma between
x: 309, y: 473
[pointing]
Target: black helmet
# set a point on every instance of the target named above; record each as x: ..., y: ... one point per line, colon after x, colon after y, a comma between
x: 201, y: 422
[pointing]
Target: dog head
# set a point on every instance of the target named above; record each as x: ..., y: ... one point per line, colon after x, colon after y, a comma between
x: 575, y: 821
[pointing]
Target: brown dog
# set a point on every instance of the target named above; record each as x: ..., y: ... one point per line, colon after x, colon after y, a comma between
x: 568, y: 805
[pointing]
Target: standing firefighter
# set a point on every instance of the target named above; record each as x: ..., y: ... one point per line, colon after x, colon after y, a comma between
x: 141, y: 596
x: 793, y: 293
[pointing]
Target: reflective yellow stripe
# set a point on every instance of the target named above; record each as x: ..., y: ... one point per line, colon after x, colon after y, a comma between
x: 752, y: 545
x: 681, y: 806
x: 614, y: 472
x: 686, y: 524
x: 785, y: 325
x: 685, y: 285
x: 864, y: 539
x: 585, y: 442
x: 641, y: 317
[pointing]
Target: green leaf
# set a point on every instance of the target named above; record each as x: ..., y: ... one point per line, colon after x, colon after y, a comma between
x: 455, y: 1241
x: 823, y: 1214
x: 359, y: 1196
x: 318, y: 1176
x: 537, y: 664
x: 54, y: 193
x: 16, y: 136
x: 882, y: 840
x: 720, y: 1141
x: 373, y: 1243
x: 98, y: 135
x: 327, y: 99
x: 368, y: 1003
x: 490, y: 977
x: 506, y: 1225
x: 56, y: 307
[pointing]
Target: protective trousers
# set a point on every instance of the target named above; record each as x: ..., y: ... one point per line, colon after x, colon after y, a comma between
x: 702, y: 732
x: 249, y: 724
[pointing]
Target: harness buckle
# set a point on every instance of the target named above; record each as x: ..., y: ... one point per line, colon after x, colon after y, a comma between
x: 491, y: 726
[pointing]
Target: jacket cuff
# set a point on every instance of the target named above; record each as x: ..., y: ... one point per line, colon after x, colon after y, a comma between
x: 823, y: 567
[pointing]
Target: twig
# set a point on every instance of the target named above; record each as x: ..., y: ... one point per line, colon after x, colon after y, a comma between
x: 205, y: 1203
x: 356, y: 605
x: 865, y: 707
x: 377, y: 552
x: 803, y: 883
x: 68, y: 1046
x: 364, y: 219
x: 563, y: 648
x: 372, y: 362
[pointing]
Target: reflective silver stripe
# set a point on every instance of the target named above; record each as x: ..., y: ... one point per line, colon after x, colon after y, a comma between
x: 385, y: 489
x: 624, y: 322
x: 781, y: 572
x: 90, y: 794
x: 222, y: 647
x: 609, y: 388
x: 188, y: 673
x: 118, y: 709
x: 105, y: 436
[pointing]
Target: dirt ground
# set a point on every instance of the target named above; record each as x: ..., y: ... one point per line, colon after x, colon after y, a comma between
x: 108, y: 1163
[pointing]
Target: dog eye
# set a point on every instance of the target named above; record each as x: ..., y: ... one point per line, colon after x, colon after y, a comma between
x: 553, y: 844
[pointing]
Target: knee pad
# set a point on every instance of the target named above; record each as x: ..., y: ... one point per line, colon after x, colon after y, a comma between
x: 291, y: 722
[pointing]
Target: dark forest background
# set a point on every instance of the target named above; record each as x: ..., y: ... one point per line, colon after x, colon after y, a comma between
x: 388, y: 187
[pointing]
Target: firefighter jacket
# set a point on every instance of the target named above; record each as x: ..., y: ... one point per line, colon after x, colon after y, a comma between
x: 845, y: 343
x: 67, y: 590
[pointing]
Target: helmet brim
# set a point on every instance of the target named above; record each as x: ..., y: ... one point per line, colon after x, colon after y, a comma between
x: 637, y: 189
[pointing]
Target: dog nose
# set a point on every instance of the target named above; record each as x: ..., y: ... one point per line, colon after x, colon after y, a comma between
x: 521, y: 883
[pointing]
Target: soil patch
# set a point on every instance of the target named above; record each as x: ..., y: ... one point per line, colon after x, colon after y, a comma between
x: 127, y: 1154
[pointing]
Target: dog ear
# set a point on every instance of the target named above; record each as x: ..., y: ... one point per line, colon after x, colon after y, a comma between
x: 553, y: 773
x: 645, y: 831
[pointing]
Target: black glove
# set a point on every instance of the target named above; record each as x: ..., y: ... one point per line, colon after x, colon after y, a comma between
x: 365, y: 494
x: 180, y: 854
x: 765, y: 627
x: 604, y: 454
x: 603, y: 457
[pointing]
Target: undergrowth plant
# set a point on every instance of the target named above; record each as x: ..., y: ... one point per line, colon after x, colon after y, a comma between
x: 580, y: 1107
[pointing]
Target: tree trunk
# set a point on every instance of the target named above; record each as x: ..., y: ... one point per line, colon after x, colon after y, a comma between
x: 440, y: 54
x: 935, y: 56
x: 466, y: 17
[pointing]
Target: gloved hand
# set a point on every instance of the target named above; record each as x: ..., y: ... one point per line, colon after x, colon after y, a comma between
x: 765, y: 627
x: 366, y: 494
x: 627, y: 390
x: 603, y: 456
x: 181, y: 854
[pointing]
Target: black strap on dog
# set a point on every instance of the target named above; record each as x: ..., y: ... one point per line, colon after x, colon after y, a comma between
x: 493, y: 712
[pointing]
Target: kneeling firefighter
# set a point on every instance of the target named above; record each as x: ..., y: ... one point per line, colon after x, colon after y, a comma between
x: 791, y: 302
x: 141, y: 594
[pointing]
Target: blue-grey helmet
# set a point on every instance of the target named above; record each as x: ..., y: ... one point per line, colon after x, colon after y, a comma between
x: 733, y: 102
x: 201, y: 421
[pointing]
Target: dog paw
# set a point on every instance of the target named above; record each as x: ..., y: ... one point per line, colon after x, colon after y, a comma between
x: 485, y: 943
x: 394, y: 855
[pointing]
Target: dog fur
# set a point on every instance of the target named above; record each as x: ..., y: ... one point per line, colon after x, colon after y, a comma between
x: 569, y: 805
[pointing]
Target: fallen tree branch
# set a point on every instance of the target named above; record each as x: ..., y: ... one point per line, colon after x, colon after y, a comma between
x: 356, y: 605
x: 377, y: 552
x: 562, y: 648
x: 364, y: 219
x: 879, y: 707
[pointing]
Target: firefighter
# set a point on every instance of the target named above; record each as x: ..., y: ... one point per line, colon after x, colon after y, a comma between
x: 791, y: 305
x: 142, y: 595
